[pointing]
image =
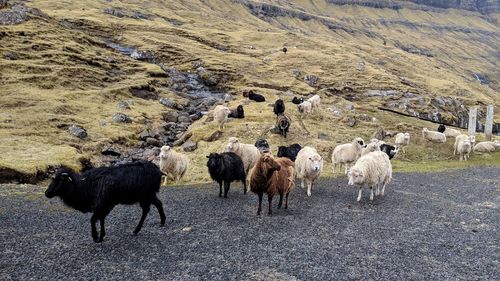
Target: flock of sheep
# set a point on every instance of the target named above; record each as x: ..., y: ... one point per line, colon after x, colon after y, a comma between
x: 367, y: 165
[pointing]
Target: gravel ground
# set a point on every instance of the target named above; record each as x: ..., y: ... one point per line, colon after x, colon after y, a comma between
x: 441, y: 226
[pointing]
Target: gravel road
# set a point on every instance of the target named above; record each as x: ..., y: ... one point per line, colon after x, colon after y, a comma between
x: 441, y: 226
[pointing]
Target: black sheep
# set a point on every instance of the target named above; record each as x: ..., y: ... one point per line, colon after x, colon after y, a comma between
x: 297, y: 100
x: 279, y: 107
x: 289, y: 152
x: 389, y: 150
x: 262, y: 145
x: 237, y: 112
x: 256, y: 97
x: 99, y: 190
x: 283, y: 124
x: 441, y: 128
x: 225, y: 168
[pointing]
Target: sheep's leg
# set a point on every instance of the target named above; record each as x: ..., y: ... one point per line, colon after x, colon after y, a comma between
x: 145, y: 210
x: 260, y: 203
x: 286, y: 201
x: 309, y: 187
x: 93, y: 221
x: 103, y: 231
x: 227, y: 184
x: 220, y: 189
x: 165, y: 180
x: 270, y: 199
x: 244, y: 186
x: 302, y: 181
x: 281, y: 201
x: 377, y: 190
x: 333, y: 168
x: 359, y: 193
x: 371, y: 193
x: 383, y: 189
x: 159, y: 206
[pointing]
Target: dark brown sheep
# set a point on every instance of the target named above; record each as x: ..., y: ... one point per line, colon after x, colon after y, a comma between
x: 272, y: 176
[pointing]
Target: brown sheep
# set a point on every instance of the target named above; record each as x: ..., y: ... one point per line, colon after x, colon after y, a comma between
x: 272, y: 176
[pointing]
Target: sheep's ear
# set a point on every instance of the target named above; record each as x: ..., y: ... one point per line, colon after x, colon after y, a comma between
x: 66, y: 176
x: 208, y: 156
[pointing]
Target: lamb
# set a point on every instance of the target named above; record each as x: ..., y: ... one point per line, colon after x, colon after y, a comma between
x: 449, y: 132
x: 297, y: 100
x: 289, y: 152
x: 371, y: 147
x: 305, y: 108
x: 221, y: 113
x: 172, y: 163
x: 309, y: 165
x: 256, y: 97
x: 279, y: 107
x: 441, y: 128
x: 464, y: 148
x: 283, y: 124
x: 458, y: 139
x: 315, y: 101
x: 99, y: 190
x: 262, y: 145
x: 402, y: 140
x: 346, y: 154
x: 390, y: 150
x: 237, y: 112
x: 225, y: 168
x: 371, y: 170
x: 272, y: 176
x: 249, y: 154
x: 486, y: 147
x: 433, y: 136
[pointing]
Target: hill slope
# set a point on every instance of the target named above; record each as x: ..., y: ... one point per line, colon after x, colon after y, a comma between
x: 71, y: 63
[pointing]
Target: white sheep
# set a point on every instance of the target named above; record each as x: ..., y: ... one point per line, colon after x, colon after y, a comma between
x: 452, y: 133
x: 433, y: 136
x: 372, y: 170
x: 308, y: 165
x: 249, y: 153
x: 460, y: 138
x: 402, y: 140
x: 221, y: 114
x: 305, y: 108
x: 486, y: 146
x: 346, y: 154
x: 464, y: 148
x: 315, y: 101
x: 371, y: 147
x: 172, y: 163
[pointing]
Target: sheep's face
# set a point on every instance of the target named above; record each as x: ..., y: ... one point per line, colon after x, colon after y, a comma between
x: 355, y: 176
x: 374, y: 141
x: 316, y: 163
x: 360, y: 142
x: 301, y: 108
x: 164, y: 150
x: 466, y: 143
x: 60, y: 183
x: 371, y: 147
x: 213, y: 159
x: 472, y: 138
x: 227, y: 111
x: 268, y: 163
x: 407, y: 136
x: 232, y: 145
x: 240, y: 110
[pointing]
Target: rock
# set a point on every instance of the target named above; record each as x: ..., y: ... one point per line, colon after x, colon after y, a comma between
x: 182, y: 138
x: 190, y: 146
x: 207, y: 77
x: 349, y: 106
x: 184, y: 119
x: 266, y: 60
x: 3, y: 4
x: 311, y: 80
x: 323, y: 136
x: 11, y: 56
x: 170, y: 116
x: 117, y: 12
x: 228, y: 98
x: 364, y: 117
x: 16, y: 15
x: 5, y: 118
x: 379, y: 134
x: 144, y: 135
x: 169, y: 103
x: 378, y: 93
x: 153, y: 142
x: 187, y: 229
x: 360, y: 66
x: 143, y: 55
x: 121, y: 118
x: 102, y: 123
x: 110, y: 150
x: 140, y: 15
x: 167, y: 125
x: 144, y: 92
x: 214, y: 136
x: 350, y: 121
x: 195, y: 116
x: 296, y: 73
x: 77, y: 131
x: 123, y: 105
x: 197, y: 64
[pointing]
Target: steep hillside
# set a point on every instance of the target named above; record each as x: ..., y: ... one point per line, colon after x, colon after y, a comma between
x: 86, y: 63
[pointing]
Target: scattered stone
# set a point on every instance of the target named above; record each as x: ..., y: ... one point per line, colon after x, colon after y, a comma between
x: 207, y: 77
x: 11, y: 56
x: 77, y: 131
x: 195, y: 116
x: 123, y: 105
x: 5, y: 118
x: 197, y: 64
x: 187, y: 229
x: 110, y: 150
x: 407, y: 82
x: 190, y: 146
x: 184, y: 119
x: 182, y: 138
x: 228, y: 98
x: 144, y: 92
x: 16, y: 15
x: 323, y: 136
x: 153, y: 142
x: 144, y: 135
x: 349, y: 106
x: 3, y: 4
x: 117, y: 12
x: 214, y: 136
x: 378, y: 93
x: 121, y: 118
x: 364, y: 117
x: 296, y: 72
x: 169, y: 103
x: 170, y: 116
x: 361, y: 66
x: 311, y: 80
x: 350, y: 121
x: 266, y: 60
x: 379, y: 134
x: 102, y: 123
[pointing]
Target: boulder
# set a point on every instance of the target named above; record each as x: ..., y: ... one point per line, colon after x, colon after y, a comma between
x: 190, y: 146
x: 350, y: 121
x: 78, y: 131
x: 121, y: 118
x: 123, y: 105
x: 153, y: 142
x: 111, y: 150
x: 171, y: 116
x: 214, y: 136
x: 311, y: 80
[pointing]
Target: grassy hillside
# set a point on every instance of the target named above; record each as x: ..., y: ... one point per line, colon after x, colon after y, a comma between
x: 56, y: 70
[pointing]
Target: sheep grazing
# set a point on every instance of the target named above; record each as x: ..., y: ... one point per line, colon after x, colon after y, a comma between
x: 448, y: 132
x: 460, y: 138
x: 433, y: 136
x: 486, y: 147
x: 289, y: 152
x: 256, y: 97
x: 390, y: 150
x: 372, y: 170
x: 283, y: 124
x: 441, y: 128
x: 221, y: 114
x: 346, y: 154
x: 464, y: 148
x: 304, y: 108
x: 237, y: 112
x: 249, y: 154
x: 99, y: 190
x: 272, y: 176
x: 262, y: 145
x: 225, y: 168
x: 402, y: 140
x: 371, y: 147
x: 297, y: 100
x: 279, y: 107
x: 309, y: 165
x: 172, y: 163
x: 315, y: 101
